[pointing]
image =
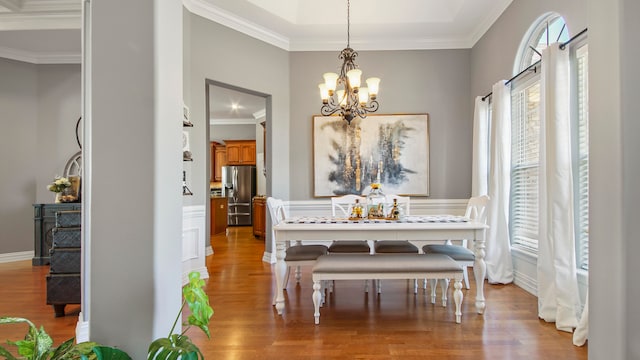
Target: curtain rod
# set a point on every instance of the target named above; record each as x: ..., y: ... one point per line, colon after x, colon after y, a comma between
x: 535, y: 64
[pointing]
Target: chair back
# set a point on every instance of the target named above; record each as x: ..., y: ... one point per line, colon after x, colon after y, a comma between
x: 477, y: 208
x: 277, y: 210
x: 403, y: 201
x: 342, y: 205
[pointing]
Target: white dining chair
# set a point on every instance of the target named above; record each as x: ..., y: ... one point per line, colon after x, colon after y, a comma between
x: 341, y: 206
x: 394, y: 247
x: 296, y: 254
x: 476, y: 211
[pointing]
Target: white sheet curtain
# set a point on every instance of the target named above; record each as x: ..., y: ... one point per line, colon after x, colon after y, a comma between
x: 557, y: 281
x: 498, y: 247
x: 479, y: 170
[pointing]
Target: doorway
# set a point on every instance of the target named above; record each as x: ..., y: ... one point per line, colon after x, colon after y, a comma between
x: 238, y: 120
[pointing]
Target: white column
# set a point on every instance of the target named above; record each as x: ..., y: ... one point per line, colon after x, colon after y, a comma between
x: 133, y: 216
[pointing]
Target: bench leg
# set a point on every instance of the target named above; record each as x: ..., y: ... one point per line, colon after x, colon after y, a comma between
x: 444, y: 284
x: 317, y: 299
x: 433, y: 283
x: 457, y: 298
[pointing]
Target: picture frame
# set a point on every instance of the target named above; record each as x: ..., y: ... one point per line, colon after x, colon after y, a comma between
x: 392, y: 150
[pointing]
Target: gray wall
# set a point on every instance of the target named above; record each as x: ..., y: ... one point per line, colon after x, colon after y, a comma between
x: 493, y: 56
x: 221, y: 54
x: 40, y: 106
x: 18, y: 149
x: 220, y: 133
x: 432, y: 81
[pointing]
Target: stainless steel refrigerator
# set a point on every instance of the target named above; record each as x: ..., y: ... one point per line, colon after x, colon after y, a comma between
x: 239, y: 186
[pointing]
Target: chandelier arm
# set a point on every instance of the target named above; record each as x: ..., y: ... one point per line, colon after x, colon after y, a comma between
x: 327, y: 110
x: 372, y: 106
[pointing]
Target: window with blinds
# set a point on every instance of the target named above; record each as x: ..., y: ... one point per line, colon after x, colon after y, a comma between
x: 581, y: 189
x: 525, y: 140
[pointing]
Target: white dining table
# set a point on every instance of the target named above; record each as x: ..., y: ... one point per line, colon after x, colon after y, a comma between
x: 416, y: 229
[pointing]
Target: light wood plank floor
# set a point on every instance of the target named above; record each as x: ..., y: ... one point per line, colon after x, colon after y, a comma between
x: 353, y: 325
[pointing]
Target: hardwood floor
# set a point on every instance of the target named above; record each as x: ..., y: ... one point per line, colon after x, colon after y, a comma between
x: 394, y: 325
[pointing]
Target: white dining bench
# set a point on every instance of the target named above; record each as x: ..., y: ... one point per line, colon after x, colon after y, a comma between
x: 386, y: 266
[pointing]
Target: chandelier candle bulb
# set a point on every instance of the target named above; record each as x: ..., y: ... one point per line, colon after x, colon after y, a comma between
x: 354, y: 78
x: 373, y: 83
x: 324, y: 93
x: 330, y: 80
x: 363, y: 94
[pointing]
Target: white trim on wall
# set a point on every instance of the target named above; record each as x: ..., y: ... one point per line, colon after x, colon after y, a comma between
x: 194, y: 242
x: 16, y: 256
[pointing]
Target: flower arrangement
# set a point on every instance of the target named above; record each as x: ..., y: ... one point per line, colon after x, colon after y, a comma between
x: 59, y: 184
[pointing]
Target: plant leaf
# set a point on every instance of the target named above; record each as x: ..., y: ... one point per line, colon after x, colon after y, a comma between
x: 64, y: 349
x: 198, y: 303
x: 43, y: 344
x: 175, y: 347
x: 110, y: 353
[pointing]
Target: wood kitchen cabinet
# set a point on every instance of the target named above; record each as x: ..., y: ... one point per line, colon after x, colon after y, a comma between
x: 241, y: 152
x: 218, y: 160
x: 218, y: 215
x: 259, y: 216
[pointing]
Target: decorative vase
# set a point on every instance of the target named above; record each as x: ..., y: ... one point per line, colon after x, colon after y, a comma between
x: 58, y: 198
x: 375, y: 203
x: 357, y: 211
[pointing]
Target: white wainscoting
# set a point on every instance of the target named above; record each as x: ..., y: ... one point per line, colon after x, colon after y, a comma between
x: 193, y: 242
x: 525, y: 273
x: 322, y: 207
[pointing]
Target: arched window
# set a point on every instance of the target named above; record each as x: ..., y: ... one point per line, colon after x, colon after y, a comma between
x: 525, y: 135
x: 548, y: 29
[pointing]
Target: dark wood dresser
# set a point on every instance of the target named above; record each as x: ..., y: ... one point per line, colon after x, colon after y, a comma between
x: 63, y: 281
x: 44, y: 220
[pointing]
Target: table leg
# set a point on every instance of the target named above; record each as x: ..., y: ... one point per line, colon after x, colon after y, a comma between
x: 281, y: 268
x: 479, y: 270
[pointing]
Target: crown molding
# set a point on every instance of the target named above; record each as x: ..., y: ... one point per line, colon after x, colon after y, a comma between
x: 220, y: 16
x: 11, y: 5
x: 38, y: 58
x: 484, y: 26
x: 260, y: 114
x: 235, y: 22
x: 41, y: 21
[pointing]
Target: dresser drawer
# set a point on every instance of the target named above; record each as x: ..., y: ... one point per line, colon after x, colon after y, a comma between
x: 65, y: 261
x: 70, y: 218
x: 66, y: 237
x: 63, y: 289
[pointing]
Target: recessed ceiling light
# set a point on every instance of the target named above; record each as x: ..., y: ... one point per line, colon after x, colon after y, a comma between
x: 234, y: 106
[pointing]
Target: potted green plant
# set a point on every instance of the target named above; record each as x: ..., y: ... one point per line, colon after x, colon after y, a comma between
x: 38, y: 345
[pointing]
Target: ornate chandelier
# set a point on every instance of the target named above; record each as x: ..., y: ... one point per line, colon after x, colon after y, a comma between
x: 351, y: 100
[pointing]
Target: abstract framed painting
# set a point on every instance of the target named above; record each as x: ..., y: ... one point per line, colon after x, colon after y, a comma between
x: 392, y: 150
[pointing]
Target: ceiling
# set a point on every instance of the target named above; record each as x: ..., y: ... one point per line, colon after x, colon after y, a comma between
x: 249, y: 107
x: 48, y: 31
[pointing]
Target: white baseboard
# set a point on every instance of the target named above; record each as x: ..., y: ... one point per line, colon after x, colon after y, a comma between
x: 16, y: 256
x: 204, y: 274
x: 269, y: 257
x: 82, y: 330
